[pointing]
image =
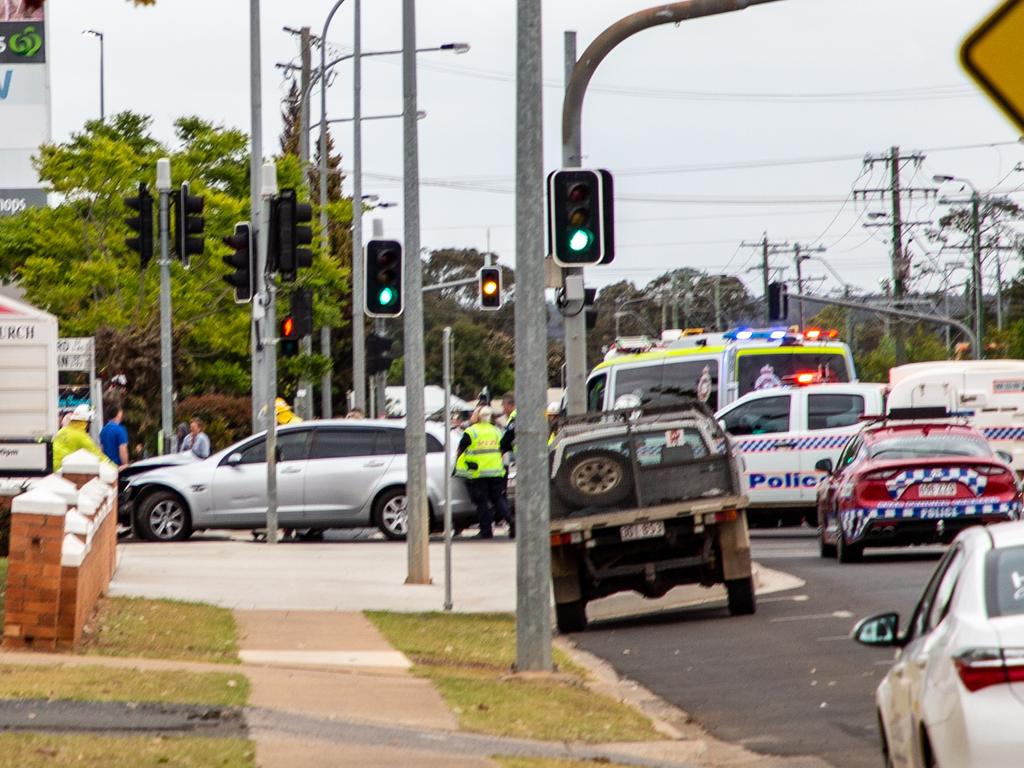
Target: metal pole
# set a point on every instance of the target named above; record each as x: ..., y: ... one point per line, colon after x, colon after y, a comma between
x: 718, y: 301
x: 304, y: 403
x: 979, y: 322
x: 449, y: 531
x: 765, y: 278
x: 799, y: 284
x: 898, y: 267
x: 381, y: 329
x: 268, y: 188
x: 999, y: 291
x: 103, y: 104
x: 418, y: 536
x: 576, y: 325
x: 358, y: 317
x: 325, y: 237
x: 326, y: 406
x: 259, y: 394
x: 533, y: 553
x: 163, y: 185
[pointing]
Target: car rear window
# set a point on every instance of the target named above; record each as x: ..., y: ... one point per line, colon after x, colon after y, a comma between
x: 1004, y: 576
x: 928, y: 446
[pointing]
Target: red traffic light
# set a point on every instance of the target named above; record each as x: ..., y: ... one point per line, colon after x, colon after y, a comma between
x: 288, y: 327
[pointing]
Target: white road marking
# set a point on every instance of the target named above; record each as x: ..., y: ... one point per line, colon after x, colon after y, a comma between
x: 814, y: 616
x: 782, y: 599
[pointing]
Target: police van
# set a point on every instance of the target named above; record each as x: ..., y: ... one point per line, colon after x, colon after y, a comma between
x: 782, y: 432
x: 717, y: 368
x: 990, y: 393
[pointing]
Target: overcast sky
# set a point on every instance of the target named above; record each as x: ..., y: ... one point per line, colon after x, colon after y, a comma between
x: 717, y: 130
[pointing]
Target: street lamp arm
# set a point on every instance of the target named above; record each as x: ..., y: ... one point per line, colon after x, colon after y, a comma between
x: 603, y: 44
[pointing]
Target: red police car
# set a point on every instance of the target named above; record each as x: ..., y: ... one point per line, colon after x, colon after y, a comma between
x: 912, y: 482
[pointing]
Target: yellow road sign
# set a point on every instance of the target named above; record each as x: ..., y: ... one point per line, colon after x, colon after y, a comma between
x: 991, y: 54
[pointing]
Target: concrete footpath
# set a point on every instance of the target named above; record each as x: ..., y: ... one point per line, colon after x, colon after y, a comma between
x: 328, y: 690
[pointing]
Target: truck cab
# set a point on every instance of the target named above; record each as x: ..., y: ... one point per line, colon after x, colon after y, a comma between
x: 783, y: 432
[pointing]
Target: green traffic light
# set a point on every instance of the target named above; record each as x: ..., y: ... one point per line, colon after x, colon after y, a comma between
x: 580, y: 240
x: 386, y: 296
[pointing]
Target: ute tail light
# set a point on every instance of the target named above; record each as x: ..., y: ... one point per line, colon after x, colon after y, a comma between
x: 726, y: 516
x: 982, y: 667
x: 989, y: 470
x: 562, y: 539
x: 881, y: 474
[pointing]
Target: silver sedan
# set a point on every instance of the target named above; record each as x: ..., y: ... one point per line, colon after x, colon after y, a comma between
x: 330, y: 474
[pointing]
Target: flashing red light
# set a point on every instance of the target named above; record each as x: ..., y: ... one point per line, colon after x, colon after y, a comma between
x: 833, y: 334
x: 812, y: 334
x: 806, y: 378
x: 288, y: 327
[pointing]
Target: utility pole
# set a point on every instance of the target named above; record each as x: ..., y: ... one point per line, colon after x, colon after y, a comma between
x: 305, y: 404
x: 768, y: 248
x: 979, y: 317
x: 268, y: 188
x: 163, y: 186
x: 895, y: 163
x: 800, y: 256
x: 718, y: 302
x: 259, y: 372
x: 358, y: 279
x: 418, y: 535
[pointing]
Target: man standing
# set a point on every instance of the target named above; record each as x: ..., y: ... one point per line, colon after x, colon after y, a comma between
x: 196, y: 440
x: 75, y: 437
x: 479, y: 463
x: 508, y: 407
x: 114, y: 436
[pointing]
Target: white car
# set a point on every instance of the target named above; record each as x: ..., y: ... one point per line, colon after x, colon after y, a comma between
x: 955, y: 694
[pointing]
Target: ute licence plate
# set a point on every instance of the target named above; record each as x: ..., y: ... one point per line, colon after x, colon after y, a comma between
x: 642, y: 531
x: 936, y: 490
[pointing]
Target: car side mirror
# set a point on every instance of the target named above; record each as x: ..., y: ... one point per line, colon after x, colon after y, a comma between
x: 881, y: 630
x: 1007, y: 457
x: 824, y: 465
x: 234, y: 460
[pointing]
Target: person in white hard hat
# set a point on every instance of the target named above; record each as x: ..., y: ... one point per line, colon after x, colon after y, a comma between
x: 75, y: 437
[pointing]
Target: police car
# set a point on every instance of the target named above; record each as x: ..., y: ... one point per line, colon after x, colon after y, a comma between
x: 781, y: 433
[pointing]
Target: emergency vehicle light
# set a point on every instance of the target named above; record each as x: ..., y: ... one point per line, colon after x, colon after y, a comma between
x: 812, y: 334
x: 744, y: 334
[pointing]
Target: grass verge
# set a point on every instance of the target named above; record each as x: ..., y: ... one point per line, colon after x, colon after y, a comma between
x: 162, y: 629
x: 468, y: 657
x: 113, y: 684
x: 29, y: 750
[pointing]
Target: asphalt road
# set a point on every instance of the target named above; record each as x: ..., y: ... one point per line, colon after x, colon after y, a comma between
x: 787, y: 680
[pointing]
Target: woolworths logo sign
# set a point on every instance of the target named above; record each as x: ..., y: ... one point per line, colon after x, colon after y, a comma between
x: 21, y: 43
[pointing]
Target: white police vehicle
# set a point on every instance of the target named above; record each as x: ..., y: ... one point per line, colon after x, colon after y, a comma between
x: 782, y: 432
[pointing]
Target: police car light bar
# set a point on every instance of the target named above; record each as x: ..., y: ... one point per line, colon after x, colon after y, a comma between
x: 745, y: 334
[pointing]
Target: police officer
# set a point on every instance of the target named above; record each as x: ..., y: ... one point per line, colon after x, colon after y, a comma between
x: 479, y: 463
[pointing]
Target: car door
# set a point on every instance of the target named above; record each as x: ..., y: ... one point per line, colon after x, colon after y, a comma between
x: 346, y: 464
x: 763, y: 430
x: 832, y: 419
x: 828, y: 500
x: 240, y: 487
x: 909, y: 671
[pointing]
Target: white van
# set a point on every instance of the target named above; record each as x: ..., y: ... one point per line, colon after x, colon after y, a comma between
x: 992, y: 391
x: 782, y: 433
x: 718, y: 368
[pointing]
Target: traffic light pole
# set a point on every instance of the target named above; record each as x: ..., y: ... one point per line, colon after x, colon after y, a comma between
x: 259, y: 372
x: 163, y: 186
x: 268, y: 188
x: 380, y: 328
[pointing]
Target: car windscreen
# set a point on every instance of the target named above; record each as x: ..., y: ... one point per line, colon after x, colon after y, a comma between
x: 928, y: 446
x: 670, y: 381
x: 764, y: 370
x: 1004, y: 582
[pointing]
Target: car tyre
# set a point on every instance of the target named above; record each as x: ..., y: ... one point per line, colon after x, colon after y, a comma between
x: 825, y: 550
x: 390, y: 514
x: 596, y: 478
x: 163, y: 516
x: 741, y: 596
x: 571, y: 617
x: 846, y: 552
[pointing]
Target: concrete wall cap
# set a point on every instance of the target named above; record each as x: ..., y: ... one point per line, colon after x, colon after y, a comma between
x: 39, y: 501
x: 72, y: 552
x: 108, y: 473
x: 87, y: 505
x: 96, y: 489
x: 80, y: 462
x: 77, y: 523
x: 58, y: 485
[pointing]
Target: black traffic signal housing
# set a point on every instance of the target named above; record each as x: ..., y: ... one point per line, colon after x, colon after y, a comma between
x: 288, y: 339
x: 489, y: 294
x: 242, y: 260
x: 378, y: 354
x: 778, y: 302
x: 581, y: 221
x: 589, y: 310
x: 188, y: 225
x: 384, y: 278
x: 141, y: 224
x: 302, y: 311
x: 289, y: 234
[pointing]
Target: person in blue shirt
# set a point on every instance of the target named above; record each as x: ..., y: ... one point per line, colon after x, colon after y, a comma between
x: 114, y: 436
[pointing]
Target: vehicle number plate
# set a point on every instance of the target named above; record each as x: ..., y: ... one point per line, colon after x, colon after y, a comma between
x: 935, y: 490
x: 642, y: 531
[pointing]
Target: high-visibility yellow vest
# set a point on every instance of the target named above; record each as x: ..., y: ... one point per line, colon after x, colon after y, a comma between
x: 483, y: 452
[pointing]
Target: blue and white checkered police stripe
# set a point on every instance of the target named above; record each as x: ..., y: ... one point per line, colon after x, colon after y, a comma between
x: 1003, y: 433
x: 969, y: 477
x: 801, y: 444
x: 856, y: 521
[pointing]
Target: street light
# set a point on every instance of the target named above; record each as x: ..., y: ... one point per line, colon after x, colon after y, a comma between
x: 99, y: 36
x: 975, y: 255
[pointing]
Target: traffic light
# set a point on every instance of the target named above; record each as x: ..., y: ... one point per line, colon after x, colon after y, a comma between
x: 141, y: 224
x: 778, y: 302
x: 289, y: 337
x: 490, y: 287
x: 384, y: 281
x: 580, y: 217
x: 378, y: 354
x: 289, y: 232
x: 188, y: 225
x: 242, y: 260
x: 302, y: 311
